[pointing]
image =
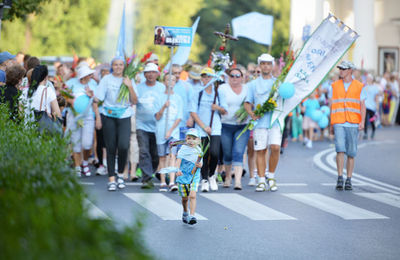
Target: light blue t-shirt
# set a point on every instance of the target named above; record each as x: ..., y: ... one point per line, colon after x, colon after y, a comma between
x: 204, y: 111
x: 257, y: 93
x: 188, y: 155
x: 78, y: 89
x: 310, y: 104
x: 145, y: 108
x: 175, y: 112
x: 181, y: 89
x: 363, y: 96
x: 108, y: 90
x: 371, y: 92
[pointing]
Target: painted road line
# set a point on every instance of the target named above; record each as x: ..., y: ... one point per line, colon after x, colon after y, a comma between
x: 246, y: 207
x: 291, y: 184
x: 354, y: 184
x: 86, y: 183
x: 160, y: 205
x: 333, y: 206
x: 385, y: 198
x: 93, y: 210
x: 330, y: 159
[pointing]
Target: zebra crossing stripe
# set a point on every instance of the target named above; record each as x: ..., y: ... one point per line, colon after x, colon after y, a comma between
x: 160, y: 205
x: 333, y: 206
x: 94, y: 212
x: 386, y: 198
x: 246, y: 207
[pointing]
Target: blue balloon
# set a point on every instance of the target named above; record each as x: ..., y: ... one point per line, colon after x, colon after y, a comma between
x: 323, y: 122
x: 81, y: 103
x: 325, y: 110
x: 316, y: 115
x: 286, y: 90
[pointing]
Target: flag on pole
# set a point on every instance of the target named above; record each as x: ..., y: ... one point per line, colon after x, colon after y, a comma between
x: 121, y: 49
x: 325, y: 47
x: 182, y: 54
x: 254, y: 26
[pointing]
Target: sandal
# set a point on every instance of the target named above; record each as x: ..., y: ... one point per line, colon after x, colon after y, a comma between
x: 272, y: 184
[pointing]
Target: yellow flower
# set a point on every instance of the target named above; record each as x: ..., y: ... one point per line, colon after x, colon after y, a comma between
x: 258, y: 106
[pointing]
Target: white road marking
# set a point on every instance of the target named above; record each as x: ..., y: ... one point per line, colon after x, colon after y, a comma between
x: 333, y: 206
x: 94, y: 211
x: 386, y: 198
x: 87, y: 183
x: 160, y: 205
x: 246, y: 207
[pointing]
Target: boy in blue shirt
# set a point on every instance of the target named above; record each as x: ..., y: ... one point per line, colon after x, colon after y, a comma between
x: 189, y: 162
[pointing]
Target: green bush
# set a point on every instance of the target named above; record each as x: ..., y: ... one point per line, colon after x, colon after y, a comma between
x: 42, y: 210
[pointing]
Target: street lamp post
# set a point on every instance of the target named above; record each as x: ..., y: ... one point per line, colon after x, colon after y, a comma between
x: 5, y: 5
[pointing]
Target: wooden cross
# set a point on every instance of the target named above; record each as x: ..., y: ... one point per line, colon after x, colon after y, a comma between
x: 225, y: 36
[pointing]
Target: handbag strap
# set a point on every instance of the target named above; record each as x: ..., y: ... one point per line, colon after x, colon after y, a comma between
x: 41, y: 100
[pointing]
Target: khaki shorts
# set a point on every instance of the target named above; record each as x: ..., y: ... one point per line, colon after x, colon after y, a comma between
x: 265, y: 137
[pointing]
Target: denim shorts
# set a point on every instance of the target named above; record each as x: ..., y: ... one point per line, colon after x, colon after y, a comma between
x: 346, y: 139
x: 233, y: 148
x: 164, y: 149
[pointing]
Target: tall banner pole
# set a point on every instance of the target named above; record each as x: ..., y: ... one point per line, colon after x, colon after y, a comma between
x: 169, y: 91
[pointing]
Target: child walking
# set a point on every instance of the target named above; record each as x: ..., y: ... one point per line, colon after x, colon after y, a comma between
x: 189, y: 162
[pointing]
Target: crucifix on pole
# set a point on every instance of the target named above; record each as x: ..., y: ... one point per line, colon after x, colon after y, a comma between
x: 225, y: 37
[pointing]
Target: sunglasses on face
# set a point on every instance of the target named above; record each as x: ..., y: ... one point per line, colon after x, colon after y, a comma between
x: 235, y: 76
x: 342, y: 69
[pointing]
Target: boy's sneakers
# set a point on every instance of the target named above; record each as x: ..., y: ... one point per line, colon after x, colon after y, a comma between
x: 347, y: 185
x: 112, y: 186
x: 262, y: 186
x: 213, y: 183
x: 121, y: 183
x: 192, y: 220
x: 339, y: 184
x: 185, y: 216
x: 204, y: 186
x: 272, y: 184
x: 163, y: 187
x: 101, y: 170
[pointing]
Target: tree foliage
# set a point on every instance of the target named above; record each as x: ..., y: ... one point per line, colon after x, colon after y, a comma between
x: 21, y: 8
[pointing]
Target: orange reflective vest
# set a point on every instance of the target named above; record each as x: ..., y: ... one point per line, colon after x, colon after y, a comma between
x: 346, y: 106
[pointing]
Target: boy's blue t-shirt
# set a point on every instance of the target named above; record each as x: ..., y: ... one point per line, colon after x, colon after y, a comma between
x: 175, y: 112
x: 78, y: 89
x: 145, y: 108
x: 188, y: 155
x: 257, y: 93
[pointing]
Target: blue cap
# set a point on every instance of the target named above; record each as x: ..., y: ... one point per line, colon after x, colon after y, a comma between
x: 5, y: 55
x: 193, y: 132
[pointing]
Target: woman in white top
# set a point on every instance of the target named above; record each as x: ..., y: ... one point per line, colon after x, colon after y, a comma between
x: 233, y: 150
x: 39, y: 89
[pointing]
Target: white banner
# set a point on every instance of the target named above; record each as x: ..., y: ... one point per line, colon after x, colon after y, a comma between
x: 320, y: 53
x: 254, y: 26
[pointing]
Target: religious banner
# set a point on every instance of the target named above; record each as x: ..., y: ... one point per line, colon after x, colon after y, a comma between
x: 325, y: 47
x: 173, y: 36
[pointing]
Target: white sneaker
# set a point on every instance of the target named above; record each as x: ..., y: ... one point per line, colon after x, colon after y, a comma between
x: 309, y: 144
x: 252, y: 182
x: 272, y: 184
x: 204, y: 186
x: 213, y: 182
x: 78, y: 171
x: 262, y: 186
x: 101, y: 170
x: 112, y: 186
x: 86, y: 171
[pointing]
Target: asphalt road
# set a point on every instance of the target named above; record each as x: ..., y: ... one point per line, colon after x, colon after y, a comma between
x: 305, y: 219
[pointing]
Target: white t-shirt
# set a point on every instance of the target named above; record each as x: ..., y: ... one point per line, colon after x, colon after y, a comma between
x: 47, y: 99
x: 234, y: 102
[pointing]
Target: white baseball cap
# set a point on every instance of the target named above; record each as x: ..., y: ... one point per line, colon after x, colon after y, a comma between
x: 266, y: 58
x: 193, y: 132
x: 150, y: 67
x: 83, y: 71
x: 153, y: 57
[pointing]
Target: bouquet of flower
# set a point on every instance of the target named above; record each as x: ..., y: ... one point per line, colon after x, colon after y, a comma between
x: 221, y: 60
x: 285, y: 62
x: 133, y: 68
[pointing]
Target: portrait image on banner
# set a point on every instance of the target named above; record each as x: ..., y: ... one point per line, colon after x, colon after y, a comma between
x: 173, y: 36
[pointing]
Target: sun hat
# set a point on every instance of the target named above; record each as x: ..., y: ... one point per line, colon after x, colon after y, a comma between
x: 266, y: 58
x: 207, y: 71
x: 5, y: 55
x: 153, y: 57
x: 195, y: 71
x: 346, y: 65
x: 150, y: 67
x: 83, y: 71
x: 193, y: 132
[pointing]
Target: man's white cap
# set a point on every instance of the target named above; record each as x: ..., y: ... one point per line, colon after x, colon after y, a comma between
x: 83, y: 71
x: 150, y: 67
x: 265, y: 57
x: 153, y: 57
